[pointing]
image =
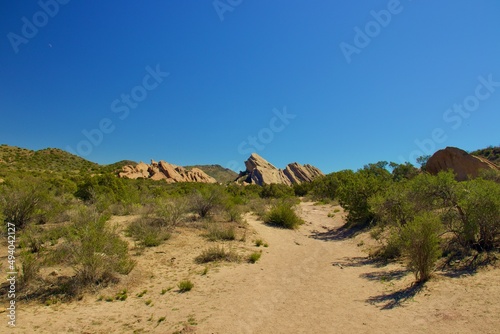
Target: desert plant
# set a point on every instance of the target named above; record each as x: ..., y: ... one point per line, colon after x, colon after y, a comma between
x: 216, y: 232
x: 478, y: 214
x: 254, y: 257
x: 282, y: 214
x: 96, y: 251
x: 170, y: 213
x: 421, y: 244
x: 217, y: 253
x: 19, y: 205
x: 185, y: 286
x: 30, y: 267
x: 203, y: 201
x: 147, y: 232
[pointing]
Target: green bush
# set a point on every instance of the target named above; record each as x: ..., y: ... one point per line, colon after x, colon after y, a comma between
x: 420, y: 242
x: 283, y: 214
x: 95, y: 250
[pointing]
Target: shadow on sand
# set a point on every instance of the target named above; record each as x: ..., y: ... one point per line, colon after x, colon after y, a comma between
x: 396, y: 298
x: 346, y: 231
x: 386, y: 276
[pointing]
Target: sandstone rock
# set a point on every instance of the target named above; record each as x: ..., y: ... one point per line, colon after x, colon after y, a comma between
x: 463, y: 164
x: 259, y: 171
x: 164, y: 171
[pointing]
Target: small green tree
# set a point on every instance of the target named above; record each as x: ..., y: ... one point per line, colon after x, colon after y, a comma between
x: 420, y: 239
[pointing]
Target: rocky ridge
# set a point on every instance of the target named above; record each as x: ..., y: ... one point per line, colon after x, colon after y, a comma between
x: 165, y: 171
x: 260, y: 171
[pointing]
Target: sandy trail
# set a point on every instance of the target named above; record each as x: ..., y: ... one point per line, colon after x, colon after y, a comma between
x: 313, y: 280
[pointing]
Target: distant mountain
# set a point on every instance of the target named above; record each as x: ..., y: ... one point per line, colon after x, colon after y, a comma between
x: 492, y: 153
x: 14, y: 158
x: 221, y: 174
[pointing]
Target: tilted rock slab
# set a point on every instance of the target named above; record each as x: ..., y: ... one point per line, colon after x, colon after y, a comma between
x: 165, y: 171
x: 463, y: 164
x: 259, y: 171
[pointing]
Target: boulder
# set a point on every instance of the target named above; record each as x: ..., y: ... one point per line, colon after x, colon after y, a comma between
x: 463, y: 164
x: 259, y: 171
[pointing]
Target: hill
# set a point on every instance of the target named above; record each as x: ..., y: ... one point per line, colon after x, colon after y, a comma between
x: 14, y: 158
x: 492, y: 153
x: 221, y: 174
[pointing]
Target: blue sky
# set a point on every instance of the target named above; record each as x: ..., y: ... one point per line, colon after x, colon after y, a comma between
x: 337, y: 84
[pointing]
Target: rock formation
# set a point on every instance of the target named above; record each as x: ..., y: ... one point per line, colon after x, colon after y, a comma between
x: 259, y: 171
x: 164, y: 171
x: 463, y: 164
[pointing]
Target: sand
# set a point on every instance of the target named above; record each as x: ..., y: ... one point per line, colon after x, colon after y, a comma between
x: 317, y: 279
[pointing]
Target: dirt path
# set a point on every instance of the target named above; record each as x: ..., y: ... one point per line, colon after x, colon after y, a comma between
x: 313, y: 280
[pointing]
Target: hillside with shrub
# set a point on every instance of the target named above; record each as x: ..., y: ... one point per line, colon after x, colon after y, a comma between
x: 492, y: 153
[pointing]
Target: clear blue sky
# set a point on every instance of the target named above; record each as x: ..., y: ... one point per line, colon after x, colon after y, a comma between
x: 356, y: 90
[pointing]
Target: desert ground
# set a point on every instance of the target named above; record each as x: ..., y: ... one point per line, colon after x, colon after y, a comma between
x: 317, y: 279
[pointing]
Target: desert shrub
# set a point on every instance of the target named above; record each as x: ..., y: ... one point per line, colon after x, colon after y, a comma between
x: 106, y: 189
x: 31, y: 265
x: 148, y: 232
x: 217, y: 253
x: 420, y: 242
x: 19, y: 205
x: 217, y: 232
x: 302, y: 189
x: 259, y: 242
x: 325, y: 187
x: 233, y: 212
x: 283, y: 214
x: 96, y: 251
x: 169, y: 213
x: 185, y: 286
x: 356, y: 188
x: 477, y: 222
x: 392, y: 245
x: 275, y: 190
x: 205, y: 200
x: 254, y: 257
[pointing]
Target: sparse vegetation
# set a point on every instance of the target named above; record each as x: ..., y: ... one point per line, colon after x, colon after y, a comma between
x: 217, y: 253
x: 185, y: 286
x: 254, y: 257
x: 218, y: 232
x: 148, y: 232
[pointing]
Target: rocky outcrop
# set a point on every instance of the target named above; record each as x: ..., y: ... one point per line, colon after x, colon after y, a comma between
x: 259, y: 171
x: 463, y: 164
x: 164, y: 171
